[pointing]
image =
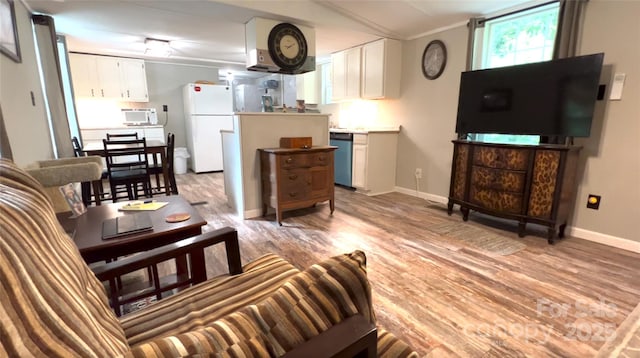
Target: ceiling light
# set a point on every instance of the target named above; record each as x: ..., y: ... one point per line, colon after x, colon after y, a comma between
x: 157, y: 48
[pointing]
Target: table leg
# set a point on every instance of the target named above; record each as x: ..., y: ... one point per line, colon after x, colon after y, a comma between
x: 182, y: 267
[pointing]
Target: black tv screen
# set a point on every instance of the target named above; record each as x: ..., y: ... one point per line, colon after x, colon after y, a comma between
x: 544, y: 98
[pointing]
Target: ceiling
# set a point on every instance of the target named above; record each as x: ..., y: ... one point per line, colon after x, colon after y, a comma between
x: 212, y: 32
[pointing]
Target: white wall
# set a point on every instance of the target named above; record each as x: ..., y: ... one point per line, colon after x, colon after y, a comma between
x: 165, y: 82
x: 611, y: 156
x: 427, y: 112
x: 27, y: 124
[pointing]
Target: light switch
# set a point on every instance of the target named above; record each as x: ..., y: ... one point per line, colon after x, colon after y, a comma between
x: 616, y: 88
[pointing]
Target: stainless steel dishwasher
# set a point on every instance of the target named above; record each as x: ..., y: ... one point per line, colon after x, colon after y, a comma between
x: 342, y: 157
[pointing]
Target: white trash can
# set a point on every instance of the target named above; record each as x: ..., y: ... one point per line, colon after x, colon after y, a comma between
x: 180, y: 155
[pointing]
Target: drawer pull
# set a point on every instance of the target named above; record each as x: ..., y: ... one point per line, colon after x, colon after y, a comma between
x: 293, y: 194
x: 289, y: 160
x: 293, y: 177
x: 321, y: 159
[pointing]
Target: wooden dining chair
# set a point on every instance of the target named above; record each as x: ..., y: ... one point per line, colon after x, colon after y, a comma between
x: 129, y: 136
x: 122, y: 136
x: 86, y: 186
x: 127, y: 166
x: 153, y: 167
x: 171, y: 142
x: 157, y: 169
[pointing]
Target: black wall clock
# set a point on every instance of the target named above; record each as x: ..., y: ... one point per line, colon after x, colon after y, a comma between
x: 287, y: 46
x: 434, y: 59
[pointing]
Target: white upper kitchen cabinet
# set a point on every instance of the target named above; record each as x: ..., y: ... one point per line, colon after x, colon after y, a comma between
x: 108, y: 77
x: 84, y: 75
x: 338, y: 76
x: 380, y: 73
x: 370, y: 71
x: 109, y: 83
x: 345, y: 80
x: 134, y: 80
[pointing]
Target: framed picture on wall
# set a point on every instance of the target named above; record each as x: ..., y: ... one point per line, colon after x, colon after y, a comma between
x: 9, y: 44
x: 267, y: 103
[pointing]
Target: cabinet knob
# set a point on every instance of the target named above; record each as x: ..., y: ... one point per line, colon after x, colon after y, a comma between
x: 321, y: 159
x: 289, y: 160
x: 293, y: 194
x: 293, y: 177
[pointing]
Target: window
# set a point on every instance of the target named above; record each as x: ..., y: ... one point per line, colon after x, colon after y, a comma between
x: 524, y: 37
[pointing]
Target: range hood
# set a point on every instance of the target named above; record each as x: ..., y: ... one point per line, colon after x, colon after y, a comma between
x: 256, y: 41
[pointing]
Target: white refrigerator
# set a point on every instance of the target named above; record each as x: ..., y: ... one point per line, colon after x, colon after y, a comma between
x: 208, y: 110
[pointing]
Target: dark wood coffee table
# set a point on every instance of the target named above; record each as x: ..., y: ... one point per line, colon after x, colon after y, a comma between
x: 88, y: 229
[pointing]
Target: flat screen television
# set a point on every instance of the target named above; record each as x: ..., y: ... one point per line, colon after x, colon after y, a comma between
x: 552, y: 98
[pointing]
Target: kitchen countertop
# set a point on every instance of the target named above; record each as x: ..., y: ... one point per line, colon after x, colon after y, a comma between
x: 292, y: 113
x: 366, y: 130
x: 123, y: 127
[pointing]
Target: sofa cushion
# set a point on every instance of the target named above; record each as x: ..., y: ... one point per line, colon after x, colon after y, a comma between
x: 203, y: 304
x: 51, y: 303
x: 389, y: 346
x: 306, y: 305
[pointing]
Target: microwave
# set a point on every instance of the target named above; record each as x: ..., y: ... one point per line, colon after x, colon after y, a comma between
x: 139, y: 116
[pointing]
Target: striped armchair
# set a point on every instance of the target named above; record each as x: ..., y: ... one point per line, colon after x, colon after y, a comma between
x: 53, y: 305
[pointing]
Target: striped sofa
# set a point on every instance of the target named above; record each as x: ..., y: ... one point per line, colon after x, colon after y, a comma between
x: 52, y: 305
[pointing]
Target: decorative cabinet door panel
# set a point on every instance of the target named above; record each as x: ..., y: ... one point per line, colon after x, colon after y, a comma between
x: 459, y: 181
x: 543, y: 187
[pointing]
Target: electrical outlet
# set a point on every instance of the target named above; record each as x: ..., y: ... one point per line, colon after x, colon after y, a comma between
x: 418, y: 173
x: 165, y: 108
x: 593, y: 201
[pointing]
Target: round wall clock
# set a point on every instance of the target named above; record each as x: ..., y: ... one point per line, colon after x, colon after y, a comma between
x: 434, y: 59
x: 287, y: 46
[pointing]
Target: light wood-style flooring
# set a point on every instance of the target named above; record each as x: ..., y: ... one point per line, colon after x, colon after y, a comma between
x: 440, y: 295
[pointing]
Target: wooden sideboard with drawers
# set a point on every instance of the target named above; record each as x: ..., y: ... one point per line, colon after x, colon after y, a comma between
x: 296, y: 178
x: 527, y: 183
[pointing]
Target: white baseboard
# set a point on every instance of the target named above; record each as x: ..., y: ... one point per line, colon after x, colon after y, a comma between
x: 370, y: 193
x: 613, y: 241
x: 250, y: 214
x: 422, y: 195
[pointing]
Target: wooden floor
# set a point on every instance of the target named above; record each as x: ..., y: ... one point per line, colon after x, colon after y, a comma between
x: 441, y: 296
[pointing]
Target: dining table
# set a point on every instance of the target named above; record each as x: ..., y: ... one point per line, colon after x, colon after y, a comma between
x: 155, y: 147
